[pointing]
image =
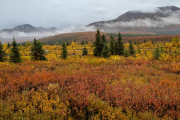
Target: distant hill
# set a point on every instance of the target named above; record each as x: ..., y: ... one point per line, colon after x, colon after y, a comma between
x: 163, y: 20
x: 76, y: 37
x: 90, y: 36
x: 26, y: 32
x: 27, y: 28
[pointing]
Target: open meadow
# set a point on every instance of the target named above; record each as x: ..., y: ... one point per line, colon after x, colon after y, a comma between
x: 88, y: 87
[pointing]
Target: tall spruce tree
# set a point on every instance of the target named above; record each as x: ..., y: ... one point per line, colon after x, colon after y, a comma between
x: 105, y: 51
x: 2, y: 53
x: 131, y: 49
x: 14, y: 56
x: 103, y: 41
x: 41, y: 52
x: 64, y: 53
x: 97, y: 44
x: 120, y: 45
x: 82, y: 43
x: 157, y: 53
x: 85, y: 51
x: 112, y: 47
x: 8, y: 45
x: 37, y: 52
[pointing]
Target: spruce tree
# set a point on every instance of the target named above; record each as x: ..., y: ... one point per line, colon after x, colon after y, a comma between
x: 131, y: 49
x: 2, y: 53
x: 8, y: 45
x: 97, y: 44
x: 126, y: 53
x: 14, y: 56
x: 67, y: 43
x: 41, y: 52
x: 85, y: 52
x: 112, y: 48
x: 64, y: 53
x: 82, y: 43
x: 37, y: 52
x: 105, y: 51
x: 103, y: 39
x: 120, y: 45
x: 157, y: 53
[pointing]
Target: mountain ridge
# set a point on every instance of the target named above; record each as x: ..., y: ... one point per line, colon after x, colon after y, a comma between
x: 133, y: 17
x: 27, y: 28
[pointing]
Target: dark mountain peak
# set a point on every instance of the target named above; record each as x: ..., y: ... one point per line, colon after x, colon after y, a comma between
x: 172, y: 8
x: 132, y: 15
x: 26, y: 25
x: 24, y: 28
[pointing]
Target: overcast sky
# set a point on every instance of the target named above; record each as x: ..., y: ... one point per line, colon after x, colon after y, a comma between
x: 61, y: 13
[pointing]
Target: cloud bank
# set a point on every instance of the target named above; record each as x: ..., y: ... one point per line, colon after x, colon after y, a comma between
x: 25, y: 36
x: 160, y: 22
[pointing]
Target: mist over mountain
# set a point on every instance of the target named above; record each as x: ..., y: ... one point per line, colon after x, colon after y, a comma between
x: 27, y: 28
x: 163, y: 20
x: 28, y: 32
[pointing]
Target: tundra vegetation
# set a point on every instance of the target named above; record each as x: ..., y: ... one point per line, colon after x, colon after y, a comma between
x: 109, y: 80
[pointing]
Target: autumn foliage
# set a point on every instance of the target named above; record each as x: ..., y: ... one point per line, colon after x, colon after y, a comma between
x: 113, y: 88
x: 88, y: 87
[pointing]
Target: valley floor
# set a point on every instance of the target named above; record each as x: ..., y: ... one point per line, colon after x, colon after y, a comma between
x: 87, y: 87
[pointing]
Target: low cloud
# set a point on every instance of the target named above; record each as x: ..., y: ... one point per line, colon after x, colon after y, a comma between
x: 29, y: 36
x: 77, y: 28
x: 160, y: 22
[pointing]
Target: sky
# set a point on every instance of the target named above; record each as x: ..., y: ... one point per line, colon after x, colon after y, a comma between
x: 62, y: 13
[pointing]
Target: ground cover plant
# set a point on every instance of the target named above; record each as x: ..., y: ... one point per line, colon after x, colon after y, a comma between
x: 137, y: 86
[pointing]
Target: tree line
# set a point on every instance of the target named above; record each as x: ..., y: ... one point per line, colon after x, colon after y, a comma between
x: 117, y: 47
x: 101, y: 49
x: 37, y: 52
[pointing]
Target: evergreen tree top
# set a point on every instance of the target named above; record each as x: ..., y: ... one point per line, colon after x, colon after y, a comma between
x: 35, y: 41
x: 64, y: 53
x: 14, y: 42
x: 119, y: 38
x: 103, y: 38
x: 14, y: 54
x: 111, y: 37
x: 98, y: 35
